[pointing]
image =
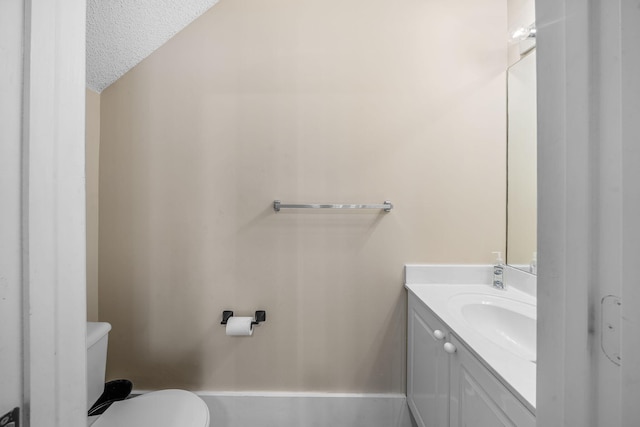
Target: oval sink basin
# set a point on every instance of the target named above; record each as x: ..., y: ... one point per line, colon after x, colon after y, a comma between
x: 509, y: 323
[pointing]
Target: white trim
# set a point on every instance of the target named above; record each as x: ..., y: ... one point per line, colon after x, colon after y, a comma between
x: 295, y: 409
x: 589, y: 210
x: 630, y: 135
x: 53, y: 198
x: 11, y: 76
x: 287, y: 394
x: 564, y: 377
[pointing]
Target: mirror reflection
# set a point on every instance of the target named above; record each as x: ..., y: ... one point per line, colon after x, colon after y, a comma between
x: 521, y: 164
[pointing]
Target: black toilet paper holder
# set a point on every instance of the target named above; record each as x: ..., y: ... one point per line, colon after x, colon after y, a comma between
x: 260, y: 316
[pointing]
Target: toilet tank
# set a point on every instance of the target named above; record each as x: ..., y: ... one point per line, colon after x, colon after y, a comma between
x: 97, y: 339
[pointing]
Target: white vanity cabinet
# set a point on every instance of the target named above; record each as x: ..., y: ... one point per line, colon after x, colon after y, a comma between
x: 427, y: 367
x: 478, y: 398
x: 447, y: 385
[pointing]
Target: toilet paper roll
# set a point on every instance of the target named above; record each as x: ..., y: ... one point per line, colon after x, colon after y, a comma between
x: 239, y: 326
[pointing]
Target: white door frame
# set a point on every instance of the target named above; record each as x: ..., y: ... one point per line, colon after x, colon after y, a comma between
x: 563, y: 361
x: 630, y: 259
x: 53, y: 214
x: 11, y: 76
x: 588, y: 210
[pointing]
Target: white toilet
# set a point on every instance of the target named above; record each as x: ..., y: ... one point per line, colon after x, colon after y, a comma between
x: 156, y: 409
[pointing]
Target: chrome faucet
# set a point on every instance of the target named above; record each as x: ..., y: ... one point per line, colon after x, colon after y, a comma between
x: 498, y: 272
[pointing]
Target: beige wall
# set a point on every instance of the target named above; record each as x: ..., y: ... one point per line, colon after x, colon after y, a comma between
x: 303, y: 101
x: 92, y: 153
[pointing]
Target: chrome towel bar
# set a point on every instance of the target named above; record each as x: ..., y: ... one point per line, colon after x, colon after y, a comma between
x: 277, y: 205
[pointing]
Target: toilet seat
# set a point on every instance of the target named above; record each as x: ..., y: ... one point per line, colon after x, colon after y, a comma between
x: 157, y: 409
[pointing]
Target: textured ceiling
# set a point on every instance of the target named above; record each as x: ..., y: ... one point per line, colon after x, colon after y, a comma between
x: 121, y: 33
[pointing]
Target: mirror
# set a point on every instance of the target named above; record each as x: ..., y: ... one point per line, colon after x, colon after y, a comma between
x: 522, y: 164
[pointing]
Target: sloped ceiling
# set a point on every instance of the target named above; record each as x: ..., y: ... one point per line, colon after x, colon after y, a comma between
x: 121, y: 33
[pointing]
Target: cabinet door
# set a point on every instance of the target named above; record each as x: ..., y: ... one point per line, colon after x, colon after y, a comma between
x: 427, y: 368
x: 478, y: 399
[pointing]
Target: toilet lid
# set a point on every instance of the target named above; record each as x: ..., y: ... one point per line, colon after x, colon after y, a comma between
x: 165, y: 408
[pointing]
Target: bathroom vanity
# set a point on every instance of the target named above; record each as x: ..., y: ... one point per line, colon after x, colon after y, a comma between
x: 471, y: 349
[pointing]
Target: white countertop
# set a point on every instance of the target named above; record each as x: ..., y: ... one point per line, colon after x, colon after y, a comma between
x: 518, y: 373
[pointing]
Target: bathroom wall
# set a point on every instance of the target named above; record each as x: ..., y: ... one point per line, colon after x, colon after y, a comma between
x: 92, y: 168
x: 303, y: 101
